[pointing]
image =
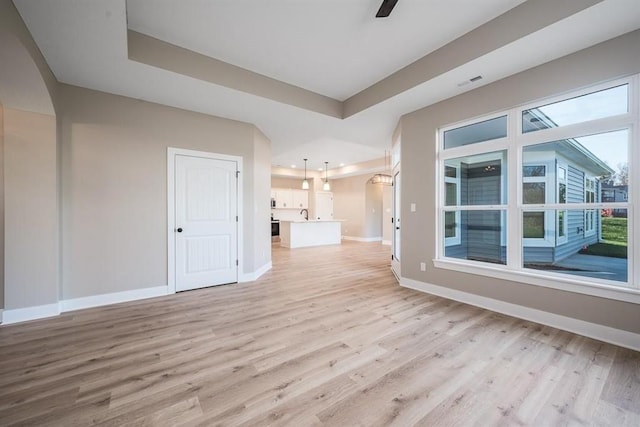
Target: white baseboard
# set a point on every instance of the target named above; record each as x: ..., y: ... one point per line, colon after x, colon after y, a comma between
x: 112, y: 298
x: 386, y: 242
x: 362, y: 239
x: 592, y: 330
x: 250, y: 277
x: 29, y: 313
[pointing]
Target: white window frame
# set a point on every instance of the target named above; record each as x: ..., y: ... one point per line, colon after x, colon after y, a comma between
x: 548, y: 240
x: 514, y: 144
x: 590, y: 214
x: 563, y: 238
x: 455, y: 240
x: 490, y: 155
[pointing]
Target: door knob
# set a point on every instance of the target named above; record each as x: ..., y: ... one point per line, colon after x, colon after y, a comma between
x: 179, y: 230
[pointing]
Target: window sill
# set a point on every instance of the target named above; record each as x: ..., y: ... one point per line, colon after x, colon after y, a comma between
x: 548, y: 280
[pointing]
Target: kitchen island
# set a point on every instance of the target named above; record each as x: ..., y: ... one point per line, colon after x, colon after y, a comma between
x: 302, y: 233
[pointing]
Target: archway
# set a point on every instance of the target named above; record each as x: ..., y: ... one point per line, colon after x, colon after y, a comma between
x: 29, y: 248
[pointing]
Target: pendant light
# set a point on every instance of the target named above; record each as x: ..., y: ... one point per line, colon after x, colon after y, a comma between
x: 305, y: 183
x: 326, y: 186
x: 383, y: 178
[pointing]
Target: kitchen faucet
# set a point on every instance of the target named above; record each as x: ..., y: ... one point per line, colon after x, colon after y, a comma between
x: 305, y: 212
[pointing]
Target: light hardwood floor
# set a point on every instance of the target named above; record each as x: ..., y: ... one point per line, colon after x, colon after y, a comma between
x: 325, y: 338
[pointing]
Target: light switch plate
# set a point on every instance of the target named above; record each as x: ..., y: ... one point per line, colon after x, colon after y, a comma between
x: 413, y: 207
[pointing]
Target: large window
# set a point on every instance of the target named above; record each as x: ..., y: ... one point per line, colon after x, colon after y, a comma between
x: 568, y: 161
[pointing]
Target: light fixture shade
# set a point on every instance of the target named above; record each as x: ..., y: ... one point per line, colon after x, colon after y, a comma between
x: 305, y: 183
x: 381, y: 178
x: 326, y: 186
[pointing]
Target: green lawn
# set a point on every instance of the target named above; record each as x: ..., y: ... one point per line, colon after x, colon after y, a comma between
x: 606, y: 249
x: 614, y: 231
x: 614, y: 239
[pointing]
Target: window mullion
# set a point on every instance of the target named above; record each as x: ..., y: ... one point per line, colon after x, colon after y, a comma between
x: 475, y: 149
x: 607, y: 124
x: 514, y: 216
x: 634, y: 177
x: 440, y: 200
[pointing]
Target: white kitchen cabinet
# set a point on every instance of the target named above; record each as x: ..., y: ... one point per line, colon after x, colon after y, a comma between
x: 284, y: 198
x: 300, y: 199
x: 287, y: 198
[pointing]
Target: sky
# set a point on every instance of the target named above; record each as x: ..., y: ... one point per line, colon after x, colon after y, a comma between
x: 611, y: 147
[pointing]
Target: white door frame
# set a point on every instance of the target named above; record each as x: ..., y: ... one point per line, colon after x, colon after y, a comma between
x: 315, y: 211
x: 171, y: 209
x: 396, y: 235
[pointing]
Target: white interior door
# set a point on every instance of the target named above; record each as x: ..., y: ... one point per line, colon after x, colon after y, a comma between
x: 395, y: 257
x: 324, y: 206
x: 206, y: 232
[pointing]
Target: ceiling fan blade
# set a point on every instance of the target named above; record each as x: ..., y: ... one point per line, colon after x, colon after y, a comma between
x: 385, y: 8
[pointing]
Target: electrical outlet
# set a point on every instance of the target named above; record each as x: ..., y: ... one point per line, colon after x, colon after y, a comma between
x: 423, y: 266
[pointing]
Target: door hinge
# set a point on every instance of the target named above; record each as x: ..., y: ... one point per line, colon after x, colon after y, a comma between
x: 237, y: 174
x: 236, y: 218
x: 237, y: 263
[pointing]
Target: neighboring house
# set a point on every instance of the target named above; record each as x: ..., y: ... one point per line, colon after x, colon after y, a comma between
x: 562, y: 172
x: 615, y: 193
x: 573, y: 176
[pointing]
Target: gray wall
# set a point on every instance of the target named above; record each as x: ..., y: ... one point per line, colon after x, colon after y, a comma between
x: 373, y: 210
x: 615, y: 58
x: 114, y: 187
x: 1, y: 207
x: 30, y: 209
x: 26, y: 81
x: 29, y: 270
x: 349, y: 204
x: 261, y: 202
x: 359, y: 204
x: 387, y: 213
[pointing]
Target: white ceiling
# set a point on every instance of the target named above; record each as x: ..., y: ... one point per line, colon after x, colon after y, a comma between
x: 333, y: 47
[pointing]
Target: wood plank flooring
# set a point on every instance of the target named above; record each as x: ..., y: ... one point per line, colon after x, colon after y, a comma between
x: 327, y: 338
